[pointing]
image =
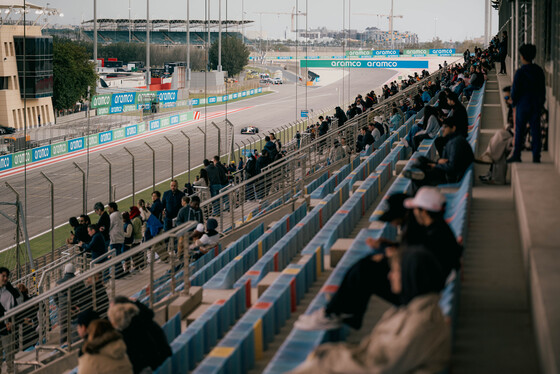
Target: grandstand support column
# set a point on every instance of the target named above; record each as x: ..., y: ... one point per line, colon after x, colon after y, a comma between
x: 50, y: 182
x: 148, y: 74
x: 220, y: 35
x: 188, y: 156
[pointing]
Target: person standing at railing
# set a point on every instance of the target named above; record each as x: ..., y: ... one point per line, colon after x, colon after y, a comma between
x: 171, y: 204
x: 104, y: 222
x: 503, y: 47
x: 156, y: 208
x: 66, y: 310
x: 9, y: 299
x: 116, y: 233
x: 96, y: 246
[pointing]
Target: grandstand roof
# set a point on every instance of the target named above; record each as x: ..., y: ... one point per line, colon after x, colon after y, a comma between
x: 175, y: 23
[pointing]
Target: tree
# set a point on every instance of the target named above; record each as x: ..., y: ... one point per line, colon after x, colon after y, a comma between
x: 235, y: 55
x: 73, y: 72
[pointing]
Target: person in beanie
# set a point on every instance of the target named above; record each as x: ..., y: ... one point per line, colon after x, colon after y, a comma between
x: 82, y: 323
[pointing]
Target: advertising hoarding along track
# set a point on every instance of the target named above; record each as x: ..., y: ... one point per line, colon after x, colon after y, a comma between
x: 367, y: 64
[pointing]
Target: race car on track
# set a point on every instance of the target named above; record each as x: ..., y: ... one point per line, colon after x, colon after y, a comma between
x: 249, y: 130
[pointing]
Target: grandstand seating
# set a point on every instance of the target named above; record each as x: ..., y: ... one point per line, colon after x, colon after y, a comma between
x: 299, y: 343
x: 157, y: 37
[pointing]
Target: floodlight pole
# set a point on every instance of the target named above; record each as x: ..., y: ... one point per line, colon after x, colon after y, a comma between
x: 95, y: 33
x: 188, y: 69
x: 220, y: 36
x: 148, y: 74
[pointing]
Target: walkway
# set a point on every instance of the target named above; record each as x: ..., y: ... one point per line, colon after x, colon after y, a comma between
x: 494, y: 329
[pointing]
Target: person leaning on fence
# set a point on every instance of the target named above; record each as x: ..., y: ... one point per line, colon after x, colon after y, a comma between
x: 411, y: 338
x: 104, y: 222
x: 79, y: 233
x: 171, y: 204
x: 146, y: 344
x: 104, y: 351
x: 96, y: 246
x: 9, y: 299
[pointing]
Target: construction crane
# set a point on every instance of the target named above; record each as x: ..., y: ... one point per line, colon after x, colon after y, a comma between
x: 390, y: 16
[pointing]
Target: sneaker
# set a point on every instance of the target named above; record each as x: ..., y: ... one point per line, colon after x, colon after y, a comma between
x: 484, y: 178
x: 405, y: 142
x: 416, y: 175
x: 318, y: 321
x: 483, y: 159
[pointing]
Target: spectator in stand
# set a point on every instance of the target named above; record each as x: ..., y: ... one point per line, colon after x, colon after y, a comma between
x: 346, y: 148
x: 364, y: 139
x: 96, y: 246
x: 396, y: 119
x: 194, y: 213
x: 251, y: 168
x: 264, y: 160
x: 277, y: 143
x: 374, y: 131
x: 104, y: 351
x: 498, y: 148
x: 431, y: 126
x: 340, y: 116
x: 116, y: 230
x: 79, y: 233
x: 104, y: 222
x: 411, y: 338
x: 211, y: 237
x: 323, y: 127
x: 270, y: 147
x: 476, y: 82
x: 426, y: 97
x: 82, y: 323
x: 157, y: 207
x: 203, y: 183
x: 456, y: 158
x: 298, y: 136
x: 182, y: 215
x: 10, y: 297
x: 128, y: 231
x: 503, y: 50
x: 528, y: 94
x: 171, y: 204
x: 459, y: 114
x: 146, y: 344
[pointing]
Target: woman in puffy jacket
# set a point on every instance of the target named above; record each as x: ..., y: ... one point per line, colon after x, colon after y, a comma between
x: 104, y: 351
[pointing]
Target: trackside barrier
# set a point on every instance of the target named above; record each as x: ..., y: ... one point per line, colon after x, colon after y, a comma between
x: 300, y: 344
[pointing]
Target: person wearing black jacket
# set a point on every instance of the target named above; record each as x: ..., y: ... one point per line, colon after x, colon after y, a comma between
x: 146, y: 343
x: 456, y: 158
x: 171, y: 204
x: 365, y: 140
x: 97, y: 245
x: 503, y: 47
x: 80, y: 233
x: 104, y: 222
x: 157, y: 207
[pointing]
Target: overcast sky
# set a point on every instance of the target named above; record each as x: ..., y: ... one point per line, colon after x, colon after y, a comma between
x: 456, y: 19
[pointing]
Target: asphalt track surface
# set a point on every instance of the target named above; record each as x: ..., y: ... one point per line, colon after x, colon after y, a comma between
x: 266, y: 112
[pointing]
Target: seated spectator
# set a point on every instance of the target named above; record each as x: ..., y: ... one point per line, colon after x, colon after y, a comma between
x: 456, y: 158
x: 146, y: 344
x: 459, y: 114
x: 426, y: 97
x: 374, y: 131
x: 396, y: 119
x: 197, y: 233
x: 364, y: 139
x: 412, y: 338
x: 499, y: 147
x: 182, y: 215
x: 211, y: 236
x: 82, y: 323
x: 347, y: 149
x: 422, y: 223
x: 336, y: 152
x: 104, y: 351
x: 430, y: 128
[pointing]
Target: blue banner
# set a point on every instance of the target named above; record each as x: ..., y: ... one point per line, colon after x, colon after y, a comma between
x: 116, y: 109
x: 105, y: 137
x: 212, y: 100
x: 75, y: 145
x: 243, y: 93
x: 371, y: 64
x: 387, y: 52
x: 251, y: 92
x: 123, y: 99
x: 131, y: 130
x: 259, y: 90
x: 225, y: 98
x: 41, y: 153
x: 167, y: 96
x: 5, y: 162
x: 442, y: 52
x: 155, y: 124
x: 235, y: 95
x: 195, y: 101
x: 174, y: 119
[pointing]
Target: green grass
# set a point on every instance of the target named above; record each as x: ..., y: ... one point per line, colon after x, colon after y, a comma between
x: 42, y: 244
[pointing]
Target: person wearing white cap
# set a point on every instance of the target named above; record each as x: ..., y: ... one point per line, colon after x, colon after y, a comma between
x: 348, y: 305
